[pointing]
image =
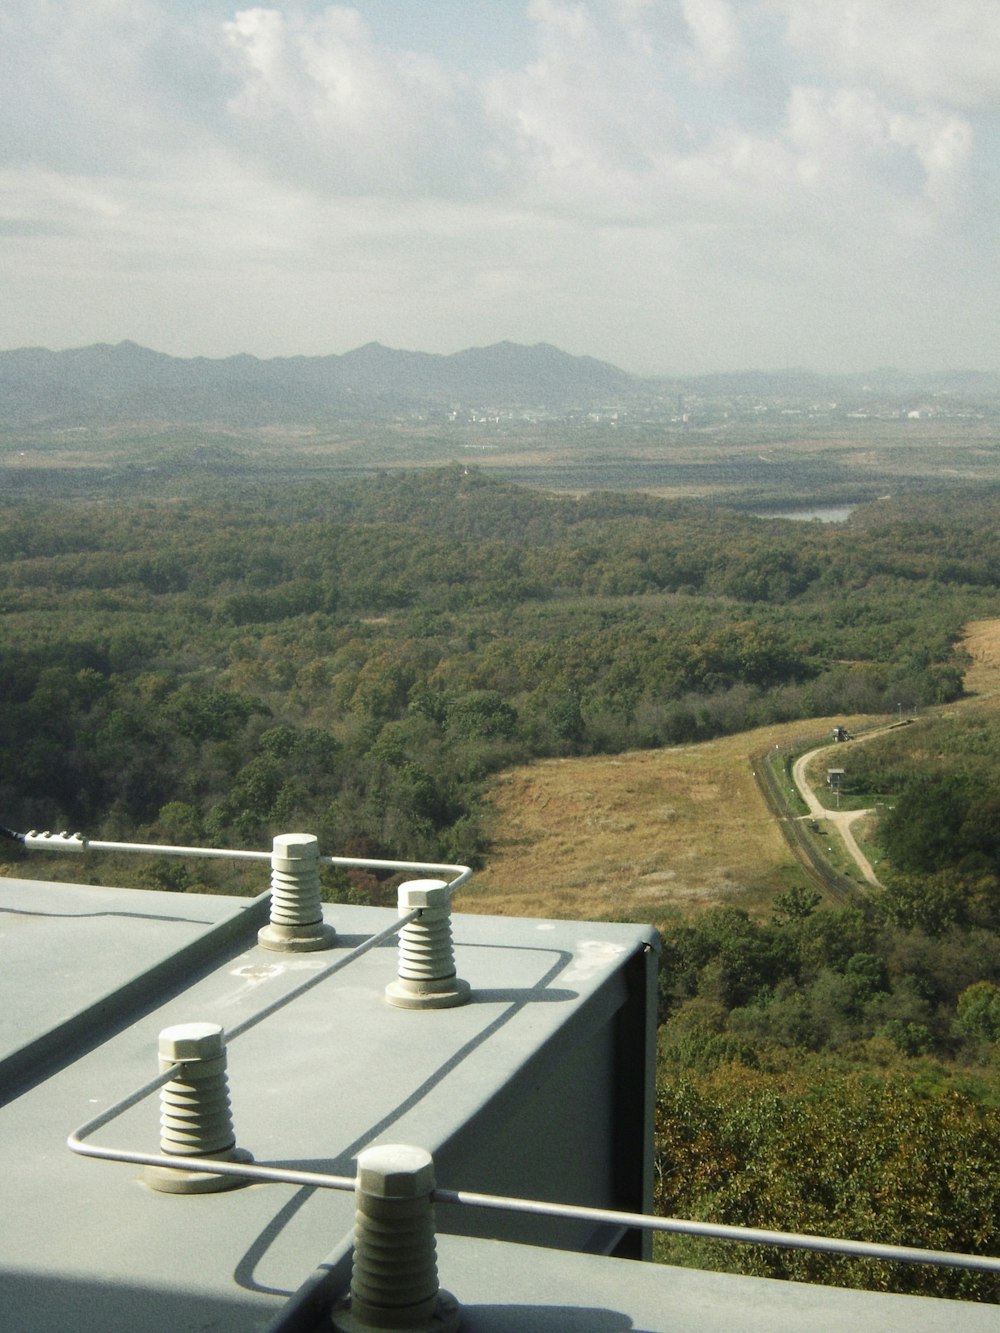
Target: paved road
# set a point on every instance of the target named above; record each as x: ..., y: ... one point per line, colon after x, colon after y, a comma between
x: 840, y: 819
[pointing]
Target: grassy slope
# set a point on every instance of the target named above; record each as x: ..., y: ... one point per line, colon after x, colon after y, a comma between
x: 645, y: 835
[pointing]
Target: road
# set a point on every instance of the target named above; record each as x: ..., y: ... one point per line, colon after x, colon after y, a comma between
x: 840, y: 819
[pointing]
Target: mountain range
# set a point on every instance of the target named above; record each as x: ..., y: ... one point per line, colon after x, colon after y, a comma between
x: 125, y: 383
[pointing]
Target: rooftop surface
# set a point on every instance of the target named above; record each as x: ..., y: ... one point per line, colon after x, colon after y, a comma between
x: 539, y: 1087
x: 322, y: 1067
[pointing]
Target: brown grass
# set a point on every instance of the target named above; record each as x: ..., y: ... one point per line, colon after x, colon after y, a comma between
x: 637, y: 836
x: 646, y: 835
x: 982, y: 643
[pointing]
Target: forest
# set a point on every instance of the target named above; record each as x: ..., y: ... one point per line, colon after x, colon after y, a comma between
x: 358, y: 657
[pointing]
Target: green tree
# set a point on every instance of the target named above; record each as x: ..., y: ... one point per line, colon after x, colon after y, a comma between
x: 921, y: 832
x: 483, y: 714
x: 977, y: 1013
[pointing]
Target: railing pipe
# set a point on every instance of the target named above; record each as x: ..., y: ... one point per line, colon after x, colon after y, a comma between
x: 77, y: 1140
x: 76, y: 842
x: 861, y: 1249
x: 858, y: 1249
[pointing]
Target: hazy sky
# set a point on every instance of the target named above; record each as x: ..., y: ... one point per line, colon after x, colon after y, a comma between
x: 671, y: 185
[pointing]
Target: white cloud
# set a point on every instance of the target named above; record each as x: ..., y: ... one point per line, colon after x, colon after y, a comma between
x: 943, y: 50
x: 319, y: 99
x: 847, y: 139
x: 214, y: 176
x: 715, y: 36
x: 589, y: 106
x: 97, y: 86
x: 943, y: 144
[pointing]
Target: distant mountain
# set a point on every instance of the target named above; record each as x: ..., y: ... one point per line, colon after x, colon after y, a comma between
x: 128, y: 383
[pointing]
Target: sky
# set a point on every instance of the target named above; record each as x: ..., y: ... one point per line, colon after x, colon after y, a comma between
x: 675, y: 186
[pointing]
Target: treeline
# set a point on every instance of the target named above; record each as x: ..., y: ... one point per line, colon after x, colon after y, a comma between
x: 824, y: 979
x: 357, y: 658
x: 862, y: 1155
x: 834, y: 1069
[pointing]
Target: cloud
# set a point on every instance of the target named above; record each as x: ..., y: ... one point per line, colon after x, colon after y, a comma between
x: 925, y: 49
x: 715, y: 37
x: 588, y: 106
x: 309, y: 177
x: 848, y: 138
x: 608, y: 116
x: 318, y: 98
x: 101, y: 86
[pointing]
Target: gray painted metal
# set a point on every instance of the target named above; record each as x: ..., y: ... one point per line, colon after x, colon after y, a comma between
x: 516, y: 1289
x: 514, y: 1093
x: 541, y: 1086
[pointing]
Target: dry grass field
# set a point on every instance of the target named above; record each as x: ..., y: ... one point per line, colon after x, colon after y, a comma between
x: 638, y: 836
x: 982, y: 678
x: 650, y: 834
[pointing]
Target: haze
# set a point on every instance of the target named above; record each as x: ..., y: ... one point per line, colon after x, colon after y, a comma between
x: 676, y: 187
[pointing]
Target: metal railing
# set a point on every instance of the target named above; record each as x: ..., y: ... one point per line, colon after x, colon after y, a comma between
x: 79, y: 1143
x: 250, y: 1171
x: 77, y: 842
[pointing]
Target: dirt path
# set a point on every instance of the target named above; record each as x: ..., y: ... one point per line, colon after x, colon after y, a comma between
x: 646, y: 835
x: 840, y: 819
x: 982, y: 683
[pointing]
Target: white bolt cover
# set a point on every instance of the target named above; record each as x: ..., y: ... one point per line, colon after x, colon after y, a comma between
x: 422, y: 893
x: 396, y: 1171
x: 191, y: 1041
x: 296, y: 846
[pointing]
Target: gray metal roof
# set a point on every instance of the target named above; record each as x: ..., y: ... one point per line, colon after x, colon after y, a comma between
x: 329, y: 1070
x: 539, y: 1087
x: 505, y: 1288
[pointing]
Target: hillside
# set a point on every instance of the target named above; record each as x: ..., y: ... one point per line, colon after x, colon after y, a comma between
x: 638, y: 836
x: 648, y: 834
x: 125, y: 387
x: 379, y: 660
x: 112, y: 385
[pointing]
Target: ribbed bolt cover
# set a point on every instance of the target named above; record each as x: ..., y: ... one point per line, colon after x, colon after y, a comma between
x: 195, y: 1116
x: 394, y: 1282
x: 296, y: 923
x: 426, y: 976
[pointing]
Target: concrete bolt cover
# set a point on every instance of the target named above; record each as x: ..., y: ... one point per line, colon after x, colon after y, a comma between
x: 296, y: 846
